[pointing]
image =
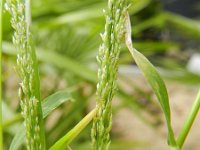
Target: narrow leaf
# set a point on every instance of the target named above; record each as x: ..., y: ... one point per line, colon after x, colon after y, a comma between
x: 59, y: 61
x: 1, y: 23
x: 53, y: 101
x: 188, y: 26
x: 48, y: 105
x: 154, y: 79
x: 62, y: 143
x: 74, y: 16
x: 189, y: 121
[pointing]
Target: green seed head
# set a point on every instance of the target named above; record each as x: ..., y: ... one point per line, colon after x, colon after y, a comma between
x: 107, y: 73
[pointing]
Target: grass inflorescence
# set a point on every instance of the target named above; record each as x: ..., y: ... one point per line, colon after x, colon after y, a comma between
x: 107, y: 73
x: 27, y: 69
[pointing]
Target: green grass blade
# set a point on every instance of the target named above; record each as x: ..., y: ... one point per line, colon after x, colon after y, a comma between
x: 189, y: 121
x: 78, y: 15
x: 74, y: 17
x: 14, y: 120
x: 48, y: 105
x: 10, y: 119
x: 1, y: 20
x: 18, y: 139
x: 59, y: 61
x: 188, y: 26
x: 153, y: 79
x: 62, y: 143
x: 138, y: 5
x: 53, y: 101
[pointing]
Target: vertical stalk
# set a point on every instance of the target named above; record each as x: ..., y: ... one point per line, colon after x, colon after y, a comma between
x: 1, y: 21
x: 40, y: 141
x: 189, y: 121
x: 27, y: 68
x: 107, y: 74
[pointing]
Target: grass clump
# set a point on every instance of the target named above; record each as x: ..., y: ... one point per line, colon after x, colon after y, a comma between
x: 117, y: 30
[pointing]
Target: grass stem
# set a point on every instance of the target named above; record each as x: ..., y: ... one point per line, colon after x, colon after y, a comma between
x: 189, y: 121
x: 1, y: 20
x: 66, y: 139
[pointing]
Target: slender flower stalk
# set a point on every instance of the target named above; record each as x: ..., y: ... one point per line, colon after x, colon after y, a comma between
x: 107, y: 74
x: 27, y: 69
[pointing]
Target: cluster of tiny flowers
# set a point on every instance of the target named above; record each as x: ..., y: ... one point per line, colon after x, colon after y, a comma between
x: 107, y: 73
x: 31, y: 123
x: 26, y: 62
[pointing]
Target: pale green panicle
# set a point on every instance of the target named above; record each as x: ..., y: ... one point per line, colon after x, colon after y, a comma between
x: 107, y: 73
x: 27, y: 69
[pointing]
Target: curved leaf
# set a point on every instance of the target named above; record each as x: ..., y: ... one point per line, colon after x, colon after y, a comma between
x: 154, y: 79
x: 53, y: 101
x: 48, y: 105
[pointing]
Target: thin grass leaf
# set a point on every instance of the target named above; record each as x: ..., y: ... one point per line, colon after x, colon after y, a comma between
x: 82, y: 14
x: 62, y: 143
x: 153, y: 79
x: 10, y: 119
x: 138, y: 5
x: 156, y: 21
x: 74, y: 17
x: 53, y: 101
x: 59, y: 61
x: 187, y: 25
x: 1, y: 21
x: 48, y: 105
x: 189, y: 121
x: 17, y: 118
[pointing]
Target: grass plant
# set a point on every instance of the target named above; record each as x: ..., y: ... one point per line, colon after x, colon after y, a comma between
x: 117, y: 33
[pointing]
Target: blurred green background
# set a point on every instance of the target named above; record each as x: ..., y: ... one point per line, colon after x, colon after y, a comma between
x: 66, y: 35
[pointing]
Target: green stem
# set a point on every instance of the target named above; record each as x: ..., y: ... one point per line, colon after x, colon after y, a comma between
x: 1, y: 20
x: 189, y: 121
x: 66, y: 139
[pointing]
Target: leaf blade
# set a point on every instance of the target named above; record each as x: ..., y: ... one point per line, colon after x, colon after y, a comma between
x: 67, y: 138
x: 54, y: 100
x: 189, y: 121
x: 59, y: 61
x: 154, y: 79
x: 48, y: 105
